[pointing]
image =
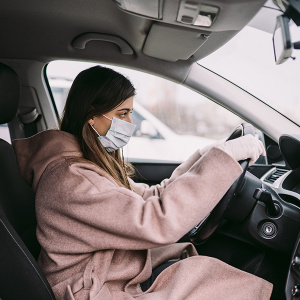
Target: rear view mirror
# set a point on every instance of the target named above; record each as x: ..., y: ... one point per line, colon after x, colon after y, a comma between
x: 282, y: 40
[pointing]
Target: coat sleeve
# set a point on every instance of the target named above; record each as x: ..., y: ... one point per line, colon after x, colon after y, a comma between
x: 89, y: 211
x: 147, y: 191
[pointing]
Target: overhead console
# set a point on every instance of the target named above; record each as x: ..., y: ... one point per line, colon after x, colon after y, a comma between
x: 186, y: 26
x: 151, y: 9
x: 189, y: 12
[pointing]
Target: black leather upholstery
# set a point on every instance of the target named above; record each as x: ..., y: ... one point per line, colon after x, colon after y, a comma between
x: 20, y: 275
x: 9, y: 93
x: 17, y: 199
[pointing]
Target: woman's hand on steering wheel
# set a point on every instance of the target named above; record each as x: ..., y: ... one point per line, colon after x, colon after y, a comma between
x: 245, y: 147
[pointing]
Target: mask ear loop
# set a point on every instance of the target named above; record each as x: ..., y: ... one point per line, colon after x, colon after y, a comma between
x: 94, y: 129
x: 107, y: 117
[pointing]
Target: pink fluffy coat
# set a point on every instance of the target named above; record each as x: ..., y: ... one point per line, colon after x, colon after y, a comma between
x: 100, y: 241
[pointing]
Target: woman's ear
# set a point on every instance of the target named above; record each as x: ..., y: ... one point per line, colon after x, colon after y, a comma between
x: 91, y: 121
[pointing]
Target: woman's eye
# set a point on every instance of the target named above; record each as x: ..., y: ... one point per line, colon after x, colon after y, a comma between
x: 123, y: 115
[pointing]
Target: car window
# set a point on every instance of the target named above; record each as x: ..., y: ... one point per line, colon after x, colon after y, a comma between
x: 172, y: 121
x: 4, y: 133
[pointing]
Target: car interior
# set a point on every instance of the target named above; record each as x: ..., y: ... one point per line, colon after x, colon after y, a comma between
x: 256, y: 226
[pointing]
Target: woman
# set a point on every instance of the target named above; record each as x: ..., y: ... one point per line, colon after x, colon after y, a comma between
x: 101, y: 234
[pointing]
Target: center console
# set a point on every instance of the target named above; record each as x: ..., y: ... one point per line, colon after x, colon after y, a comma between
x: 293, y: 280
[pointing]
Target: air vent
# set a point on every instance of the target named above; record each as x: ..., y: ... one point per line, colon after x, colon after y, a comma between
x: 277, y: 173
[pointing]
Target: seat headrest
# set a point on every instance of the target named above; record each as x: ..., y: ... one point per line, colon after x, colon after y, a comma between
x: 9, y: 93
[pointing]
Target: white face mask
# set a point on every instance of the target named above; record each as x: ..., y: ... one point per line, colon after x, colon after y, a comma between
x: 117, y: 136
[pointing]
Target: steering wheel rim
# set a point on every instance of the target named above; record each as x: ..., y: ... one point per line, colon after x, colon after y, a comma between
x: 201, y: 232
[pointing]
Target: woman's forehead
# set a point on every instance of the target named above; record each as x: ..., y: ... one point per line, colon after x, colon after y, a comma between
x: 127, y: 104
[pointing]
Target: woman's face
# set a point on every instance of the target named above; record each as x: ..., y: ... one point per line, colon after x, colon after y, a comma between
x: 102, y: 124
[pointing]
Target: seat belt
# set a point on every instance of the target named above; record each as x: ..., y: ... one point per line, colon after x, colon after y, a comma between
x: 29, y: 120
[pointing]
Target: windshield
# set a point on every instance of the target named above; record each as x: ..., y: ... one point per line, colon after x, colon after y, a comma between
x: 248, y: 61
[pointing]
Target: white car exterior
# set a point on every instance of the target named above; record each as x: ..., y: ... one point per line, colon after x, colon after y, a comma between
x: 155, y: 141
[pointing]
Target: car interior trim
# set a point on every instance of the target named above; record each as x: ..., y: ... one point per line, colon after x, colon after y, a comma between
x: 175, y: 37
x: 80, y: 41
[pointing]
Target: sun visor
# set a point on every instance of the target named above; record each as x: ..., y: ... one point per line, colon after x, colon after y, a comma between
x: 290, y: 150
x: 184, y: 42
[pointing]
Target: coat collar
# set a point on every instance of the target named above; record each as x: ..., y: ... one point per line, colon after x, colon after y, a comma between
x: 34, y: 154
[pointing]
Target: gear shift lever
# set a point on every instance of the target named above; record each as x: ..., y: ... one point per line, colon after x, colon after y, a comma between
x: 264, y: 196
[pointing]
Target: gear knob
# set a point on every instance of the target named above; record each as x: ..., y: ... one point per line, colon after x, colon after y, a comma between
x: 264, y: 196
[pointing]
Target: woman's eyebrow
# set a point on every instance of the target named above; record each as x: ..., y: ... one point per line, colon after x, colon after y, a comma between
x: 127, y: 109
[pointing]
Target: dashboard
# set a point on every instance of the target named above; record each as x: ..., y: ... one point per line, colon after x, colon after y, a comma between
x: 286, y: 184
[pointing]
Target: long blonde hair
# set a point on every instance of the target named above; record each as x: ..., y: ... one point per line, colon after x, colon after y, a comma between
x: 94, y: 92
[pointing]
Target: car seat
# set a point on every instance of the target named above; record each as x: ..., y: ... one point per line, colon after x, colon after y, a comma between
x: 20, y: 275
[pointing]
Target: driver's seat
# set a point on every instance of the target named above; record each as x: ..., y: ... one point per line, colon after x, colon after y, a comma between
x: 20, y: 275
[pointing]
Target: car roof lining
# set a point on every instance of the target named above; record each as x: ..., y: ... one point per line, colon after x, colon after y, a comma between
x: 53, y: 25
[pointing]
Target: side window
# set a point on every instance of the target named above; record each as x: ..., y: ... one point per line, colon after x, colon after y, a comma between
x: 171, y: 120
x: 4, y: 133
x: 60, y: 88
x: 144, y: 128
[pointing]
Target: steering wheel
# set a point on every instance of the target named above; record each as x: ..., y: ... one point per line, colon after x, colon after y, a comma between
x: 201, y: 232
